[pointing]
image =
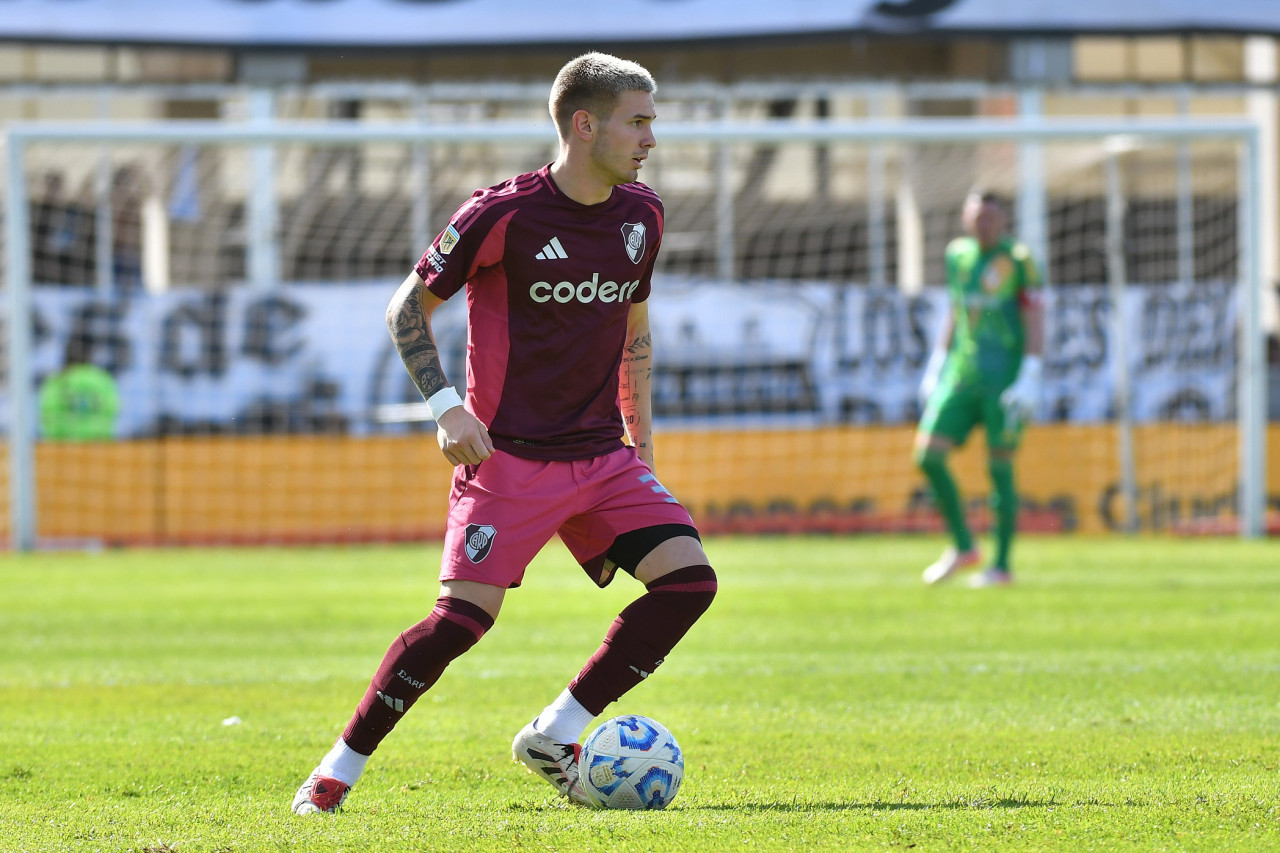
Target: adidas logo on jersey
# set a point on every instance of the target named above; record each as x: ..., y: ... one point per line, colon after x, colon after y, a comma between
x: 552, y: 250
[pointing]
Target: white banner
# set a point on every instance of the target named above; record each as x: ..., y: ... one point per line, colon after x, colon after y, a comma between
x: 453, y: 23
x: 760, y: 349
x: 855, y: 354
x: 318, y: 357
x: 305, y: 358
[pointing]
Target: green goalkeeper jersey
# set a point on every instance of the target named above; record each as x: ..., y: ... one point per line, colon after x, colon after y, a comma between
x: 79, y: 403
x: 988, y: 290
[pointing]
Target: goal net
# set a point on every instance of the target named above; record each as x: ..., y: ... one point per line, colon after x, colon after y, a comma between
x: 231, y: 282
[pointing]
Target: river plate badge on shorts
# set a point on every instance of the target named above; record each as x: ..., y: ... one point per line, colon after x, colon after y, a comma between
x: 479, y: 541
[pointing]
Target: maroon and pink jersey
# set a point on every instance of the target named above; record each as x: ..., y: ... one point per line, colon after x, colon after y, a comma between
x: 549, y: 285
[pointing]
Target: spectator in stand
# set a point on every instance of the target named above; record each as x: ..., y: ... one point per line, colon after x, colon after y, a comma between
x: 80, y: 402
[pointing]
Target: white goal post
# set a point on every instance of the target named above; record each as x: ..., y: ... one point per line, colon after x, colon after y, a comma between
x: 1026, y: 134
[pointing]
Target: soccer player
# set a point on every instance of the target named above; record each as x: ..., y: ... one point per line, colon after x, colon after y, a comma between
x: 985, y: 370
x: 556, y: 265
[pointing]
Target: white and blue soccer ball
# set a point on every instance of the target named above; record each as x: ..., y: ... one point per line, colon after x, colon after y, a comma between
x: 631, y: 762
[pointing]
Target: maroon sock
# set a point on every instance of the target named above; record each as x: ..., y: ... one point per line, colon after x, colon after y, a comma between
x: 413, y: 663
x: 643, y: 634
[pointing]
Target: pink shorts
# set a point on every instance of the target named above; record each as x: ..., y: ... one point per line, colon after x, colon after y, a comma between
x: 504, y: 510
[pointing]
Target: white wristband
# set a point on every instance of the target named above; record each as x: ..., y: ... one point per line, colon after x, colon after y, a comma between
x: 1032, y: 366
x: 442, y: 401
x: 937, y: 359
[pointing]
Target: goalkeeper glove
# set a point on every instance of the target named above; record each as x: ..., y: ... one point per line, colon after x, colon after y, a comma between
x: 932, y: 371
x: 1020, y: 399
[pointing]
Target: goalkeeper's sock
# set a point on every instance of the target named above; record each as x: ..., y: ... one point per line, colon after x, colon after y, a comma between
x: 945, y: 493
x: 643, y: 634
x: 1004, y: 505
x: 413, y: 663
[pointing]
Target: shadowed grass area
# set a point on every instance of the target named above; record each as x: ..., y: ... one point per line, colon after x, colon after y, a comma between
x: 1125, y: 694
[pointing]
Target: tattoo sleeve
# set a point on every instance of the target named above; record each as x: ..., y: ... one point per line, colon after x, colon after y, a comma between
x: 634, y: 398
x: 411, y: 332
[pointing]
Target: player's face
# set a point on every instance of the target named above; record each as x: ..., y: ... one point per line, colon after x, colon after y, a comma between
x: 625, y: 138
x: 984, y: 221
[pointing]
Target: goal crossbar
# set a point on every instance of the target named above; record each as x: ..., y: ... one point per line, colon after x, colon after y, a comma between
x: 816, y: 130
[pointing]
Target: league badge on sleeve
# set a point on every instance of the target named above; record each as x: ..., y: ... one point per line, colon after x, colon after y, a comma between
x: 633, y: 238
x: 449, y: 239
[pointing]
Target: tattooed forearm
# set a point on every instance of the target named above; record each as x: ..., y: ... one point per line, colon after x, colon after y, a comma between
x: 634, y: 378
x: 637, y: 368
x: 643, y: 343
x: 411, y: 333
x: 636, y: 361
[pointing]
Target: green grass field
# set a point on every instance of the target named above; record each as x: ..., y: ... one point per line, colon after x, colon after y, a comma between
x: 1124, y: 696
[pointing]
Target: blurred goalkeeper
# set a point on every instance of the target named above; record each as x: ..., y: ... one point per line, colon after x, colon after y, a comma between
x: 985, y: 370
x: 556, y: 265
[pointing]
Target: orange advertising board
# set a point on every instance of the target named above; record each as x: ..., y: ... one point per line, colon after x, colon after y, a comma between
x: 838, y: 479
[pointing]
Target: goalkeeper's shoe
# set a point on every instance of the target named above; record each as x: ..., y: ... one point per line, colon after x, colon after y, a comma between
x: 320, y: 795
x: 993, y: 576
x: 950, y: 563
x: 551, y: 760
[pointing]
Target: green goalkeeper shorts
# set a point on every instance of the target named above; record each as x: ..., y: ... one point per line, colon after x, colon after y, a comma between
x: 955, y: 409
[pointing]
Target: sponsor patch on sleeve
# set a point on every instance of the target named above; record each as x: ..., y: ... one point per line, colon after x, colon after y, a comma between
x: 436, y: 260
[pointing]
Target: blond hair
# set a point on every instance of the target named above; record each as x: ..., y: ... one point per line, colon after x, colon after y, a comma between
x: 593, y: 82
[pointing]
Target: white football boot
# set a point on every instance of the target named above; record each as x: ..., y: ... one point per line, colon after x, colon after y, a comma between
x: 950, y: 563
x: 551, y: 760
x: 320, y: 795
